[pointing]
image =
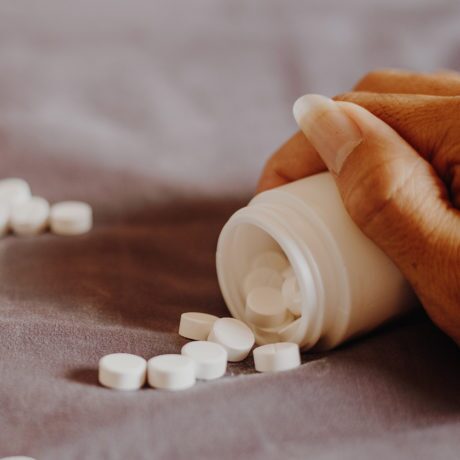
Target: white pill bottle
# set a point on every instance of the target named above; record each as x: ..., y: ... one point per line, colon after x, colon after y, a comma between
x: 348, y: 285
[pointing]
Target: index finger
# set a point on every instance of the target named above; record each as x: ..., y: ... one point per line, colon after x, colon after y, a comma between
x: 444, y: 83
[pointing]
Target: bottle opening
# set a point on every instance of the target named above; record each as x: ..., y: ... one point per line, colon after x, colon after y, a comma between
x: 255, y: 253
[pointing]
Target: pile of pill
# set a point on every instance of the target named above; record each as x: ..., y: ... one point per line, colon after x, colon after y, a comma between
x: 28, y: 215
x: 272, y: 304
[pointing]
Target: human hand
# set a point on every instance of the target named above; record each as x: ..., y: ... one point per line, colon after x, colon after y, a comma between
x: 393, y: 146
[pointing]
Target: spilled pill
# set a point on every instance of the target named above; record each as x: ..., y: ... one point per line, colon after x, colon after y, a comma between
x: 122, y: 371
x: 30, y: 217
x: 171, y: 372
x: 14, y: 191
x: 210, y: 359
x: 276, y: 357
x: 234, y: 336
x: 71, y: 218
x: 196, y: 325
x: 17, y: 457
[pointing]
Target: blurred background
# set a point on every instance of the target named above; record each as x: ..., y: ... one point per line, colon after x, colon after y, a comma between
x: 193, y: 95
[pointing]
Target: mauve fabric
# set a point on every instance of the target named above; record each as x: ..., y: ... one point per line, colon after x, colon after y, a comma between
x: 160, y: 114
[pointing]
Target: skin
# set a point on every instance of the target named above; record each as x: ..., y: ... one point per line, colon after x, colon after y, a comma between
x: 401, y: 185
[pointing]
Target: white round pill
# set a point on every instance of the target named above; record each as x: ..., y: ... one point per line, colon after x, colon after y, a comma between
x: 14, y: 191
x: 71, y: 218
x: 31, y: 217
x: 265, y: 307
x: 291, y: 294
x: 262, y: 276
x: 272, y: 259
x: 234, y: 336
x: 122, y: 371
x: 276, y: 357
x: 195, y: 325
x: 17, y: 457
x: 210, y: 359
x: 171, y: 372
x: 4, y: 218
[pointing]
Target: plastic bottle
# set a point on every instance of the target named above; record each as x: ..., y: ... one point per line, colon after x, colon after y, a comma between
x: 348, y: 285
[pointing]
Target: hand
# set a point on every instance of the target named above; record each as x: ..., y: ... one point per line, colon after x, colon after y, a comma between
x: 393, y: 146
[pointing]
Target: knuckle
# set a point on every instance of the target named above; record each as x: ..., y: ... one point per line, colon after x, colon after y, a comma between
x: 373, y: 80
x: 368, y: 82
x: 368, y: 198
x: 374, y: 197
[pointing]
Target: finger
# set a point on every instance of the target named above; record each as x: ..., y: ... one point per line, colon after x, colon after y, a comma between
x: 297, y: 159
x: 293, y: 160
x: 429, y: 123
x: 394, y: 196
x: 403, y: 82
x: 446, y: 73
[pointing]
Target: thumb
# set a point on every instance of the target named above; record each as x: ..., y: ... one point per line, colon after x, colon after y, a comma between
x: 388, y: 189
x: 391, y: 192
x: 430, y: 124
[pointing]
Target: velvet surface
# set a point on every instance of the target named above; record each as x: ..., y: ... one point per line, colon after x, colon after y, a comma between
x: 160, y: 115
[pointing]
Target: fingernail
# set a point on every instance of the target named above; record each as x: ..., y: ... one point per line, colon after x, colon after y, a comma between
x: 330, y: 130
